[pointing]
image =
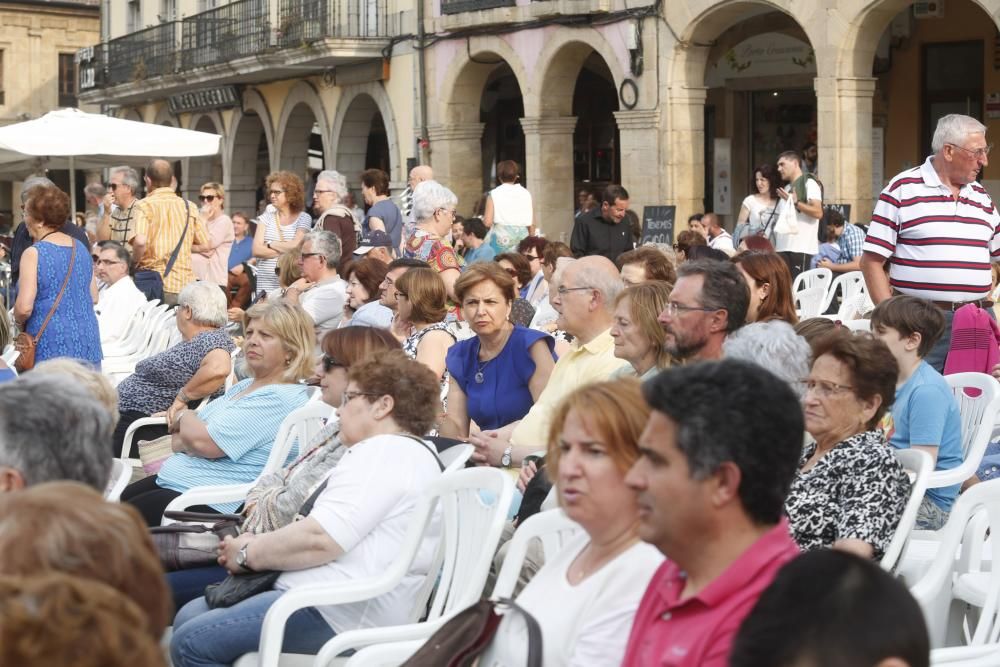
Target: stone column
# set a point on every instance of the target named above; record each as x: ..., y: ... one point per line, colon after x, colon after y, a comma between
x: 685, y: 152
x: 844, y: 128
x: 457, y: 155
x: 548, y: 163
x: 640, y: 150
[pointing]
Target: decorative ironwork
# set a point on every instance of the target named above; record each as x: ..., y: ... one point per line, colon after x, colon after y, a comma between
x: 234, y: 30
x: 459, y: 6
x: 302, y: 22
x: 143, y: 54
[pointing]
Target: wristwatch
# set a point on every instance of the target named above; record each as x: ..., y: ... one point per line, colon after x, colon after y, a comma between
x: 505, y: 457
x: 241, y: 558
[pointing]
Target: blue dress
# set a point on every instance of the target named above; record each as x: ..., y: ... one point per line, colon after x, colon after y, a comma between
x: 503, y: 395
x: 72, y: 331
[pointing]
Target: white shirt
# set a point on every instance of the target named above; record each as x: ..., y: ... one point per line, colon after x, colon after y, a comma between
x: 325, y: 304
x: 367, y: 508
x: 511, y: 205
x: 806, y: 240
x: 583, y: 625
x: 723, y: 242
x: 116, y: 304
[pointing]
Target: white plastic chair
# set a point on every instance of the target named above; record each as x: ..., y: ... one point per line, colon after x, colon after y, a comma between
x: 858, y: 325
x: 848, y: 285
x: 298, y: 428
x: 470, y: 533
x: 135, y: 338
x: 979, y: 414
x: 934, y: 591
x: 456, y: 456
x: 958, y: 656
x: 809, y: 301
x: 121, y: 475
x: 813, y: 278
x: 919, y: 466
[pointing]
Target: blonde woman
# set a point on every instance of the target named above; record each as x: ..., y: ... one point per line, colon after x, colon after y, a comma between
x: 638, y: 336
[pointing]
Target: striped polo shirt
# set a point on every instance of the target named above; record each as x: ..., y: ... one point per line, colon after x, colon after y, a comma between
x: 939, y: 248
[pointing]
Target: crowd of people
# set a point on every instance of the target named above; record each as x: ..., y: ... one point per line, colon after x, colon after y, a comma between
x: 726, y: 461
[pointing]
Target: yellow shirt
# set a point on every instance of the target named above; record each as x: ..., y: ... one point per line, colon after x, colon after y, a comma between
x: 592, y: 362
x: 162, y: 222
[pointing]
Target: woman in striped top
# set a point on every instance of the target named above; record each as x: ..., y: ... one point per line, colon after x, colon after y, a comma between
x: 281, y: 227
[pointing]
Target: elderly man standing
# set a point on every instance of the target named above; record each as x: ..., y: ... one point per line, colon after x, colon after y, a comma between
x: 708, y: 302
x: 52, y: 429
x: 937, y: 229
x: 717, y: 458
x: 332, y: 214
x: 121, y: 217
x: 585, y: 303
x: 119, y: 300
x: 418, y: 175
x: 320, y: 291
x: 170, y: 226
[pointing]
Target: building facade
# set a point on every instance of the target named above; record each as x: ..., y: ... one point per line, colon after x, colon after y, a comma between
x: 677, y: 101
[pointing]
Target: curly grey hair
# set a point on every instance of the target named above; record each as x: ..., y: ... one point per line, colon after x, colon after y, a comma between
x: 775, y: 346
x: 428, y: 197
x: 335, y: 180
x: 327, y: 244
x: 206, y: 301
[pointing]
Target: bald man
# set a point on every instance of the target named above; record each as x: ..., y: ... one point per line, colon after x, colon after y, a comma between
x: 418, y: 175
x: 585, y: 303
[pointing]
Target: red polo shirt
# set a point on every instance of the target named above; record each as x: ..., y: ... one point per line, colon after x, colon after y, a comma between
x: 698, y: 631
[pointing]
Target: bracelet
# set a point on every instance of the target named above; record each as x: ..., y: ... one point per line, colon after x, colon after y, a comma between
x: 182, y: 397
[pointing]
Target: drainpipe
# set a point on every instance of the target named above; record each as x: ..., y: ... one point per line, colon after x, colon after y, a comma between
x: 424, y: 144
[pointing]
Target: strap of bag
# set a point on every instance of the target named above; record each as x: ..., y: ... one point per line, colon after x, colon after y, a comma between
x: 427, y: 447
x: 534, y: 631
x: 177, y: 249
x: 770, y: 218
x: 62, y: 290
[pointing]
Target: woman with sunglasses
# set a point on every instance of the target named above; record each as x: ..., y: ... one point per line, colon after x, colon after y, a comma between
x: 210, y: 262
x: 280, y: 227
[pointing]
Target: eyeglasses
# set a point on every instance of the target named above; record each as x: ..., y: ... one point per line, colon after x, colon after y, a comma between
x: 449, y: 211
x: 564, y: 290
x: 822, y: 388
x: 275, y: 193
x: 672, y: 308
x: 108, y: 262
x: 311, y: 254
x: 322, y: 192
x: 112, y: 186
x: 349, y: 396
x: 329, y: 363
x: 530, y: 258
x: 978, y: 153
x: 208, y: 198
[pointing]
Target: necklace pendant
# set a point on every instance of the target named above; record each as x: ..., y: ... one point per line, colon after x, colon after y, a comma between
x: 480, y: 378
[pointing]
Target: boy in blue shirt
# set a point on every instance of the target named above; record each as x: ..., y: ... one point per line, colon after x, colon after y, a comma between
x: 925, y: 415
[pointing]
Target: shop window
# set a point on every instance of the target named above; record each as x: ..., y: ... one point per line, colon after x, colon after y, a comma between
x: 67, y: 80
x: 948, y: 88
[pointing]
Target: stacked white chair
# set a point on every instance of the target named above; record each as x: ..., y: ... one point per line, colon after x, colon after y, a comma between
x: 809, y: 301
x: 919, y: 466
x: 850, y: 286
x: 813, y: 278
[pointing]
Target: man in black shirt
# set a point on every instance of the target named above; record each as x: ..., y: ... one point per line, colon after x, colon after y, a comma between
x: 602, y: 231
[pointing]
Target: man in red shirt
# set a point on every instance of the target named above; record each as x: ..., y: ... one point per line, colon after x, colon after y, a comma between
x: 717, y: 458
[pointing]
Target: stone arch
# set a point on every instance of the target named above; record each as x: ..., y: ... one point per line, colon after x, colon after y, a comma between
x: 560, y: 63
x: 303, y: 107
x: 204, y: 169
x: 242, y: 150
x: 355, y: 112
x: 130, y: 114
x: 164, y: 117
x: 461, y: 89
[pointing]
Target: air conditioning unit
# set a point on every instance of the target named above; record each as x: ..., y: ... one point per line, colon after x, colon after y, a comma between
x: 928, y: 9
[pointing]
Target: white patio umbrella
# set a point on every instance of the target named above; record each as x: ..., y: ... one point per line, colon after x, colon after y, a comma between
x: 71, y: 139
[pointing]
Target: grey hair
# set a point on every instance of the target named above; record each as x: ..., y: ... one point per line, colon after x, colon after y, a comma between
x: 130, y: 177
x: 723, y: 287
x: 428, y: 197
x: 206, y: 301
x: 94, y: 190
x: 51, y: 429
x: 610, y: 286
x: 121, y: 252
x: 775, y: 346
x: 327, y: 244
x: 33, y: 182
x: 336, y: 180
x: 955, y: 129
x: 85, y: 376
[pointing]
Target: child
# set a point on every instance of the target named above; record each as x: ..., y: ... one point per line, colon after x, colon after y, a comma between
x: 925, y: 414
x: 829, y: 250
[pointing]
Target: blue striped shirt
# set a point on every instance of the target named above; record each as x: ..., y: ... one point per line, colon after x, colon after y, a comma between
x: 243, y: 428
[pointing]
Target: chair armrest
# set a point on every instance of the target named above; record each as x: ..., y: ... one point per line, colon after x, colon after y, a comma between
x: 957, y: 475
x: 383, y: 654
x: 209, y: 495
x: 133, y: 427
x: 416, y: 633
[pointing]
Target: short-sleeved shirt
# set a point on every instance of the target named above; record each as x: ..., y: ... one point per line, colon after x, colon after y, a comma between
x: 484, y: 253
x: 244, y: 428
x: 503, y: 396
x: 806, y: 239
x: 389, y: 214
x: 940, y: 248
x: 162, y: 223
x: 851, y: 243
x: 925, y: 413
x: 125, y: 221
x: 267, y: 276
x: 372, y: 314
x: 215, y: 267
x: 858, y: 490
x: 699, y: 631
x: 242, y: 251
x: 325, y: 305
x: 156, y: 380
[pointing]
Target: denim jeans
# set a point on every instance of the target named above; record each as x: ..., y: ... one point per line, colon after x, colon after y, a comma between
x: 206, y: 637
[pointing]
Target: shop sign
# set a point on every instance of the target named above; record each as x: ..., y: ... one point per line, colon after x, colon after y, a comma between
x: 658, y: 224
x: 767, y: 54
x: 86, y: 66
x: 220, y: 97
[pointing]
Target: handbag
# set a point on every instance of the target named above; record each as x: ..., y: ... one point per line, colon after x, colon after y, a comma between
x: 788, y: 221
x: 153, y: 453
x: 150, y: 282
x: 186, y: 545
x: 464, y: 638
x: 25, y: 343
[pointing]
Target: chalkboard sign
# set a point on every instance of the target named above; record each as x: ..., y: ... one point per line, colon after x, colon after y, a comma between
x: 658, y: 224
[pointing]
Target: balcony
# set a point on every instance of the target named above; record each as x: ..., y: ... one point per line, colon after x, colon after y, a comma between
x: 458, y: 6
x: 241, y: 42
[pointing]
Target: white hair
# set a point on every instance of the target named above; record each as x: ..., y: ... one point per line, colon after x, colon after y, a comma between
x: 336, y: 181
x: 206, y: 301
x: 327, y: 244
x: 955, y: 129
x: 775, y: 346
x: 428, y: 197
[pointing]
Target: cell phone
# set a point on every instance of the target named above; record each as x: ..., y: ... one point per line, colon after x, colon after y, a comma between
x: 538, y: 460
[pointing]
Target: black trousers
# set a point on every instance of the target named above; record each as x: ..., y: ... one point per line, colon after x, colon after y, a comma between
x: 797, y: 262
x: 151, y: 500
x: 125, y: 419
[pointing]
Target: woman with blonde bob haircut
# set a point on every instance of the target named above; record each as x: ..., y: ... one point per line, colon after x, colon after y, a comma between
x: 584, y: 598
x: 638, y: 336
x: 228, y: 441
x: 68, y: 527
x: 422, y: 300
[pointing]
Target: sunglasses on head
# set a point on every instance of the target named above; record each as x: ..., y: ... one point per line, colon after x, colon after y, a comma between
x: 208, y: 198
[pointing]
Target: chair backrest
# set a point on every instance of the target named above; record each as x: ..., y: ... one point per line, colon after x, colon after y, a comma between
x: 456, y: 456
x: 810, y: 301
x: 953, y: 656
x: 978, y: 397
x: 847, y: 284
x: 552, y: 528
x: 919, y: 466
x: 121, y: 474
x: 296, y: 430
x: 813, y: 278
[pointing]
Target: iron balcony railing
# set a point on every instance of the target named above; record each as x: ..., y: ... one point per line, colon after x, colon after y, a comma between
x: 459, y: 6
x: 228, y: 32
x: 144, y: 54
x: 302, y: 22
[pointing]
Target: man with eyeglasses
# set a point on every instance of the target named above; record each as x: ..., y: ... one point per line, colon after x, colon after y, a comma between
x: 387, y: 292
x: 938, y: 229
x: 120, y: 219
x: 331, y: 213
x: 120, y: 298
x: 708, y: 302
x: 210, y: 262
x: 602, y: 231
x: 320, y: 291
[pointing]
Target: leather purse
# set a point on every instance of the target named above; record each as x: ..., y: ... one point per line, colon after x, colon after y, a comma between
x: 25, y: 343
x: 186, y: 545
